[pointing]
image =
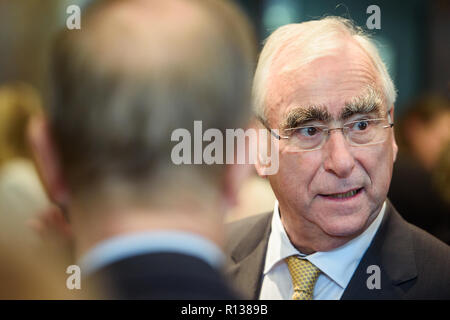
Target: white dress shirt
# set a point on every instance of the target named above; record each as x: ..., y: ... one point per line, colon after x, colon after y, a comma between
x: 337, y: 265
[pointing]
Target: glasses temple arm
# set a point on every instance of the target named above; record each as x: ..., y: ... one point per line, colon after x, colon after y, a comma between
x: 273, y: 133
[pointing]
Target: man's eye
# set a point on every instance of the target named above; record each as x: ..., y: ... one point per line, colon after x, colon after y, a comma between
x: 309, y: 131
x: 360, y: 125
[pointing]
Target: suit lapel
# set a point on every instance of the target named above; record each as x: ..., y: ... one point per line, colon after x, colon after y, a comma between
x: 392, y: 251
x: 248, y: 258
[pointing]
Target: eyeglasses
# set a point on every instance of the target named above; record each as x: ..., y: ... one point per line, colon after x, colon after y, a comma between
x: 358, y: 133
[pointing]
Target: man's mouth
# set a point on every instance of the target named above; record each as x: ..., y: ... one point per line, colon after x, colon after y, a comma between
x: 343, y: 195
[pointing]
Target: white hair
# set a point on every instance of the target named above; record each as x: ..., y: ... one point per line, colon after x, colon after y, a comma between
x: 314, y: 39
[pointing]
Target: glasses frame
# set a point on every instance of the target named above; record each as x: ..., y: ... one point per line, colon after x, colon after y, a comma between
x: 328, y: 130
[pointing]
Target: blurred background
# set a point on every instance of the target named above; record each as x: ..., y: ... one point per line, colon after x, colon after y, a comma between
x: 414, y: 41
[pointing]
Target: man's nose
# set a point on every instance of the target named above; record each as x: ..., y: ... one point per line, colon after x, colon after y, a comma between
x: 338, y: 159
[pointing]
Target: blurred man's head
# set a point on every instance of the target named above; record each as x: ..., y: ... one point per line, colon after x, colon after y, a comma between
x: 136, y: 71
x: 327, y: 73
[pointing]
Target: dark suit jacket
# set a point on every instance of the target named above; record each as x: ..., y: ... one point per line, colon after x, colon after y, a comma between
x: 413, y: 264
x: 410, y: 185
x: 161, y: 276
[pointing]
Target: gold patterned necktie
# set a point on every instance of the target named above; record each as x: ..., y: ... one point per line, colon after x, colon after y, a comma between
x: 304, y: 276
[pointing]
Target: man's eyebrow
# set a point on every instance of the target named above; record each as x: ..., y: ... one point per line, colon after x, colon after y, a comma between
x: 301, y: 115
x: 370, y: 102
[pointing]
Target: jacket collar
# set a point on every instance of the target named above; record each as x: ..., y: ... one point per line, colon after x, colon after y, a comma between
x: 247, y: 257
x: 392, y: 250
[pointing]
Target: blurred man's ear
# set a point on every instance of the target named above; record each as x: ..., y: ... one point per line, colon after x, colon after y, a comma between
x: 394, y: 143
x: 47, y: 162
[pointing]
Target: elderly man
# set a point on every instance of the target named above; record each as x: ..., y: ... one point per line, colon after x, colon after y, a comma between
x: 322, y: 90
x: 135, y: 72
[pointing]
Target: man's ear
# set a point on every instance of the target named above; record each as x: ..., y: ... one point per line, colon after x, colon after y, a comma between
x: 47, y: 161
x: 261, y: 167
x: 394, y: 143
x: 266, y: 162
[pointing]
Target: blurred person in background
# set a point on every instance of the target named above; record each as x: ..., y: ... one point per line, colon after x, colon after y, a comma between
x: 416, y: 189
x: 31, y: 267
x: 425, y: 129
x: 135, y: 72
x: 441, y: 175
x: 21, y: 192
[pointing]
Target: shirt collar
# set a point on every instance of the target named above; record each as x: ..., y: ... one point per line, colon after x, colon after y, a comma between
x: 128, y: 245
x: 338, y: 264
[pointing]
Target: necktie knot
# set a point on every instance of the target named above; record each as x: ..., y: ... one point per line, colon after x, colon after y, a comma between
x: 304, y: 276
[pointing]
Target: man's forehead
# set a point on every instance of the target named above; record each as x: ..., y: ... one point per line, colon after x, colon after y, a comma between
x: 329, y: 81
x: 295, y: 57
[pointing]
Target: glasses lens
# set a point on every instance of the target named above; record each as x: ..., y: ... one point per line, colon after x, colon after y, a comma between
x: 306, y: 138
x: 359, y: 133
x: 364, y: 132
